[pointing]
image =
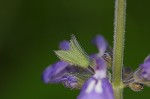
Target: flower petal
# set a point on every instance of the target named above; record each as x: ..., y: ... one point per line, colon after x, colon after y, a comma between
x: 145, y: 70
x: 100, y: 64
x: 62, y: 72
x: 53, y: 73
x: 64, y: 45
x: 101, y: 43
x: 142, y: 74
x: 96, y: 89
x: 98, y: 86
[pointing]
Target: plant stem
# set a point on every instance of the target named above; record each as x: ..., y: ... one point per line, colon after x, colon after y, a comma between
x: 118, y: 93
x: 118, y: 49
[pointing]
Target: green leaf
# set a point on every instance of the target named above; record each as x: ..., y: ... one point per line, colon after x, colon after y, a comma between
x: 76, y: 55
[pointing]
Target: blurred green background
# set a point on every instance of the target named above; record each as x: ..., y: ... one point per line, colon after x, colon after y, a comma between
x: 31, y: 29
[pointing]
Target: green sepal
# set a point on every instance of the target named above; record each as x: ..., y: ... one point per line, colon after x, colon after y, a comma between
x: 75, y: 55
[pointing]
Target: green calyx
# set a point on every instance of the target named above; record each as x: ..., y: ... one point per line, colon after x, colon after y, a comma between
x: 75, y: 55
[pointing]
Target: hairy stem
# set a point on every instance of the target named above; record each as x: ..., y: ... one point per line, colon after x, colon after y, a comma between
x: 119, y: 32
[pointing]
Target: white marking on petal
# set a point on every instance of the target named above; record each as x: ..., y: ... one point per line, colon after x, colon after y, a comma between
x: 101, y: 53
x: 99, y: 74
x: 90, y: 86
x: 145, y: 76
x: 98, y: 87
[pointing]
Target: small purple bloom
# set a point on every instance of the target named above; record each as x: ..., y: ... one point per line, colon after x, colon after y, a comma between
x: 98, y: 86
x: 53, y: 73
x: 64, y: 45
x: 62, y: 72
x: 146, y: 69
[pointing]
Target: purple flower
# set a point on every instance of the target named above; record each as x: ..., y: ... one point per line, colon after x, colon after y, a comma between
x: 53, y: 73
x: 105, y: 51
x: 76, y: 67
x: 145, y: 69
x: 59, y: 72
x: 98, y: 86
x: 65, y: 73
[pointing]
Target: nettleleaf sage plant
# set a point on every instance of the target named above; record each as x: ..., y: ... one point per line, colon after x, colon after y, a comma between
x: 101, y: 75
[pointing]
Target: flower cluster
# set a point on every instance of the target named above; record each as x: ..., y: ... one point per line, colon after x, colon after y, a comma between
x: 91, y: 73
x: 77, y: 70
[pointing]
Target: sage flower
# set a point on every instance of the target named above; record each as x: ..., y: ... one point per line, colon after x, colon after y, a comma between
x: 78, y: 70
x: 98, y: 86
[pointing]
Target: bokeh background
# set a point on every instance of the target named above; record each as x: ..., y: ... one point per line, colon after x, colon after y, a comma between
x: 31, y: 29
